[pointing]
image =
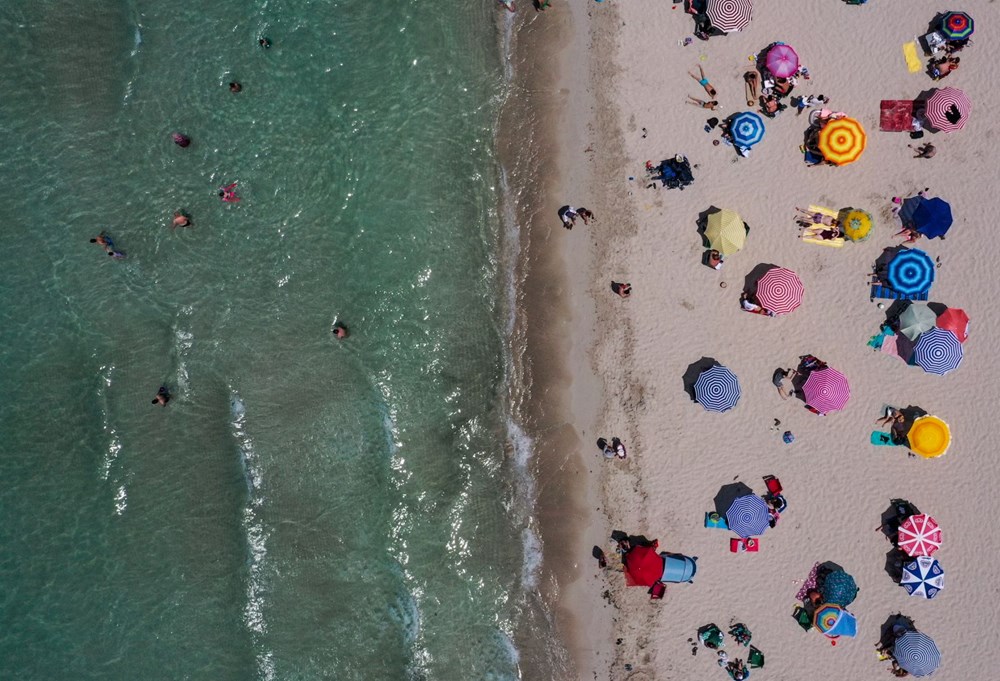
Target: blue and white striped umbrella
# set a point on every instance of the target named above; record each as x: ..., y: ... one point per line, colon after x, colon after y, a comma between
x: 910, y: 272
x: 917, y: 653
x: 748, y: 516
x: 746, y: 129
x: 923, y: 577
x: 938, y: 351
x: 717, y: 389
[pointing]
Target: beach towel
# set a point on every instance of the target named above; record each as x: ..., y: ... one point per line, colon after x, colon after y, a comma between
x: 808, y: 583
x: 879, y: 291
x: 913, y: 63
x: 880, y: 439
x: 715, y: 520
x: 895, y: 115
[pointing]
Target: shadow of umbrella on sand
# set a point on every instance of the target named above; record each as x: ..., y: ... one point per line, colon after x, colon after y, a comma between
x: 728, y: 494
x: 750, y: 281
x: 694, y: 371
x: 892, y: 625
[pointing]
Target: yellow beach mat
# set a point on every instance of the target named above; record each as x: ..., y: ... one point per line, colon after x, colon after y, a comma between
x: 913, y: 62
x: 824, y: 211
x: 835, y: 243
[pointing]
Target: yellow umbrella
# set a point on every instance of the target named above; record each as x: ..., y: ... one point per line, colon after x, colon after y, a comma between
x: 856, y: 223
x: 725, y: 231
x: 929, y: 437
x: 841, y: 141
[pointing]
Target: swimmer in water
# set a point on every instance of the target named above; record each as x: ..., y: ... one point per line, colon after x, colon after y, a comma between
x: 340, y: 331
x: 162, y: 396
x: 181, y: 220
x: 264, y: 42
x: 228, y: 194
x: 104, y: 240
x: 181, y: 140
x: 235, y: 86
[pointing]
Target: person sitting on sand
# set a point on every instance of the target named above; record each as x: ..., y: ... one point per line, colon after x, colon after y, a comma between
x: 783, y: 86
x: 891, y: 416
x: 814, y: 596
x: 925, y: 151
x: 622, y: 289
x: 778, y: 381
x: 910, y: 234
x: 715, y: 260
x: 769, y: 105
x: 619, y: 448
x: 586, y: 215
x: 943, y: 67
x: 749, y: 305
x: 713, y: 104
x: 703, y: 81
x: 568, y: 216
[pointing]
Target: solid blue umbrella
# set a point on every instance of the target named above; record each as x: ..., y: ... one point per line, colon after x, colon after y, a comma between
x: 923, y: 577
x: 917, y: 653
x: 938, y: 351
x: 717, y: 389
x: 746, y: 129
x: 910, y: 272
x: 748, y: 516
x: 930, y: 217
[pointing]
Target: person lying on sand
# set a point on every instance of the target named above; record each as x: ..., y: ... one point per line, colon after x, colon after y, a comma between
x: 943, y: 67
x: 812, y: 218
x: 925, y: 151
x: 703, y: 81
x: 713, y: 104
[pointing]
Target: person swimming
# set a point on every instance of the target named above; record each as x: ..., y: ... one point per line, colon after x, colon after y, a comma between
x: 340, y: 331
x: 162, y: 396
x: 264, y: 42
x: 108, y: 244
x: 235, y: 86
x: 181, y: 140
x: 228, y: 193
x: 181, y: 220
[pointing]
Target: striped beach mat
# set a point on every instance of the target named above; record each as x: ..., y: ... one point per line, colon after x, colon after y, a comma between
x: 879, y: 291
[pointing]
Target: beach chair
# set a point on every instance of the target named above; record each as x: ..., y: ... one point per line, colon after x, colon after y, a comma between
x: 714, y: 520
x: 773, y: 485
x: 755, y: 658
x: 895, y: 115
x: 835, y: 243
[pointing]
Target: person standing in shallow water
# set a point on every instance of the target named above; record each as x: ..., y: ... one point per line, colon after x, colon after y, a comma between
x: 340, y: 331
x: 235, y: 86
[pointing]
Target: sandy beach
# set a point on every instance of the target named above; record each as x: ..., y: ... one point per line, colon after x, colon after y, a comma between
x: 620, y: 100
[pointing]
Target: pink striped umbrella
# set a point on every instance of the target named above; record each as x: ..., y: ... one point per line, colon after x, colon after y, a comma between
x: 782, y: 61
x: 826, y: 390
x: 919, y: 535
x: 780, y: 290
x: 948, y: 102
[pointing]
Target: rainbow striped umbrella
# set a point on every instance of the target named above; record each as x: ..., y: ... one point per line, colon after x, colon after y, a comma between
x: 957, y: 26
x: 780, y: 290
x: 782, y: 61
x: 917, y: 653
x: 729, y: 15
x: 923, y: 577
x: 826, y: 390
x: 841, y: 141
x: 748, y: 516
x: 938, y: 351
x: 717, y: 389
x: 834, y: 621
x: 919, y: 535
x: 948, y: 109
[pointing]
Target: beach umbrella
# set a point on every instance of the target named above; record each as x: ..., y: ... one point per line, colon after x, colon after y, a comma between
x: 725, y: 231
x: 929, y: 437
x: 916, y: 319
x: 748, y: 516
x: 780, y: 290
x: 917, y: 653
x: 955, y: 320
x: 930, y: 217
x: 923, y: 577
x: 834, y: 621
x: 729, y: 15
x: 746, y: 129
x: 938, y: 351
x: 857, y: 224
x: 919, y: 535
x: 948, y: 109
x: 910, y: 272
x: 841, y: 141
x: 826, y: 390
x: 643, y: 566
x: 839, y: 588
x: 957, y: 26
x: 717, y: 389
x: 782, y: 61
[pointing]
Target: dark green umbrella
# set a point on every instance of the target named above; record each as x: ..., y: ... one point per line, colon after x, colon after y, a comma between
x: 839, y: 588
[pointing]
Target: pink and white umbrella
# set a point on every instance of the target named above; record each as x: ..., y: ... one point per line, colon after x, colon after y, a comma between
x: 826, y: 390
x: 780, y: 290
x: 782, y: 61
x: 729, y: 15
x: 919, y: 535
x: 948, y: 109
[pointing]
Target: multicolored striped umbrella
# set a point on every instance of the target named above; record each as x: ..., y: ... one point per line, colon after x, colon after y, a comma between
x: 957, y: 26
x: 955, y: 320
x: 841, y: 141
x: 725, y: 231
x: 917, y: 653
x: 919, y: 535
x: 938, y: 351
x: 910, y: 272
x: 929, y: 437
x: 857, y: 224
x: 826, y: 390
x: 780, y: 290
x: 923, y: 577
x: 717, y: 389
x: 948, y: 109
x: 834, y: 621
x: 746, y: 129
x: 748, y: 516
x: 729, y: 15
x: 782, y: 61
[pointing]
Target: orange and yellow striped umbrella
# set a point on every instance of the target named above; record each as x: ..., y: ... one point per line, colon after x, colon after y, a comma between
x: 841, y: 141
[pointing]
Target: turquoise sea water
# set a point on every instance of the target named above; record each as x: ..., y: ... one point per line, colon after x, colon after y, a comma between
x: 304, y: 508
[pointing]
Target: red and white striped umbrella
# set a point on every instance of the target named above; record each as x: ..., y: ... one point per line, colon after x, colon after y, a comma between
x: 826, y: 390
x: 729, y: 15
x: 919, y: 535
x: 948, y: 109
x: 780, y: 290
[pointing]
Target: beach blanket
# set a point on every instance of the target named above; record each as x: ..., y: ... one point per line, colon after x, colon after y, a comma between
x: 896, y: 115
x: 809, y: 583
x: 879, y: 291
x: 913, y: 63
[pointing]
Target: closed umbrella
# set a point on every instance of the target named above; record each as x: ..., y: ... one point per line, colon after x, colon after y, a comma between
x: 916, y: 319
x: 717, y: 389
x: 826, y: 390
x: 839, y: 588
x: 857, y: 224
x: 919, y: 535
x: 748, y: 516
x: 923, y: 577
x: 930, y: 217
x: 957, y: 26
x: 948, y: 109
x: 917, y: 653
x: 929, y: 437
x: 955, y: 320
x: 725, y: 231
x: 780, y: 290
x: 910, y: 272
x: 729, y: 15
x: 782, y: 61
x: 841, y: 141
x: 938, y: 351
x: 834, y: 621
x: 746, y: 129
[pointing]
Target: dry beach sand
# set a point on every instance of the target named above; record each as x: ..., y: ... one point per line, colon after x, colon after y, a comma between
x: 624, y: 68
